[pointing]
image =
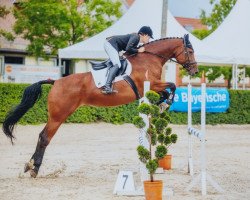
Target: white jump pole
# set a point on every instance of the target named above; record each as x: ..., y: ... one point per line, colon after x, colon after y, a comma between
x: 203, y: 134
x: 142, y: 135
x: 190, y: 146
x: 125, y: 181
x: 200, y: 134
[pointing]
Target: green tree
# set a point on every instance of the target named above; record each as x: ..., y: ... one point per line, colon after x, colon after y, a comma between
x: 214, y: 72
x: 3, y: 33
x: 201, y: 34
x: 99, y: 14
x: 53, y: 24
x: 159, y: 135
x: 219, y: 13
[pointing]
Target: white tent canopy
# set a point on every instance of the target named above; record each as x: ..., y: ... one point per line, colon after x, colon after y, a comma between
x: 142, y: 12
x: 230, y: 42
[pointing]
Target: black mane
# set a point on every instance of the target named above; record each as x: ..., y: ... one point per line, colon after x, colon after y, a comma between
x: 167, y: 38
x: 185, y: 40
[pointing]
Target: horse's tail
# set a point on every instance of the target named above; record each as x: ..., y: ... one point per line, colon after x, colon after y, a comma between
x: 30, y: 96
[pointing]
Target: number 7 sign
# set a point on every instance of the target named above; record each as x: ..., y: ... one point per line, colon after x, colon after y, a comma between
x: 124, y: 182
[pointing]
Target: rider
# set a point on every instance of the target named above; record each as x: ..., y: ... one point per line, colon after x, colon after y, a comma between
x: 114, y: 44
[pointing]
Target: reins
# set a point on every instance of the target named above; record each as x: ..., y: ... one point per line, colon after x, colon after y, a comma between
x: 164, y: 57
x: 186, y: 65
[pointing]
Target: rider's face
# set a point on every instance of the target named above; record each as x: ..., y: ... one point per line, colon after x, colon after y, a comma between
x: 145, y: 39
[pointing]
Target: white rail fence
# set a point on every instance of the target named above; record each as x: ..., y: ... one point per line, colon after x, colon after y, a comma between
x: 203, y: 176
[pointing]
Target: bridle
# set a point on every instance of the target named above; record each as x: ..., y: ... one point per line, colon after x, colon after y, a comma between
x: 187, y: 65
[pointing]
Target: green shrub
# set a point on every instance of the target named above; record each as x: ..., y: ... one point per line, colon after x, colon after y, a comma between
x: 156, y: 134
x: 238, y: 113
x: 11, y: 94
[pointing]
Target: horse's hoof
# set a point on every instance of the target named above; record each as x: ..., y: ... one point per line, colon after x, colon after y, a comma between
x: 163, y: 106
x: 29, y: 166
x: 33, y: 174
x: 26, y: 167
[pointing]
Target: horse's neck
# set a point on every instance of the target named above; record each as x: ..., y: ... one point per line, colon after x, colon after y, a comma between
x: 163, y: 50
x: 164, y: 47
x: 152, y: 63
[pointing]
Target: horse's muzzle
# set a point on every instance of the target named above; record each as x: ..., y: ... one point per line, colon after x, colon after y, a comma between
x: 193, y: 69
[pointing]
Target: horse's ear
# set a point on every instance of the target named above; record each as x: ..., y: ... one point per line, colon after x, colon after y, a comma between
x: 185, y: 39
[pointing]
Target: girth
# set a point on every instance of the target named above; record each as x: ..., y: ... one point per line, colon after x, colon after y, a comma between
x: 133, y: 86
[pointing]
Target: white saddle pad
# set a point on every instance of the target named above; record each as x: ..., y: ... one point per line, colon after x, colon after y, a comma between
x: 100, y: 76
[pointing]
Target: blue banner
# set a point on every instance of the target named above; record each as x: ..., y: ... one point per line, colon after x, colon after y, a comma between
x: 217, y: 100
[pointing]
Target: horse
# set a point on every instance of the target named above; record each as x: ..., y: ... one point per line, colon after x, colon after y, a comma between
x: 70, y: 92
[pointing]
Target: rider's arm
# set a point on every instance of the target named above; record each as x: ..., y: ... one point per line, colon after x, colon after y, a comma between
x: 132, y: 44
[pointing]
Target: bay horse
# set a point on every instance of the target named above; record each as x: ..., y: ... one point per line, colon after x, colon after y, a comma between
x: 73, y: 91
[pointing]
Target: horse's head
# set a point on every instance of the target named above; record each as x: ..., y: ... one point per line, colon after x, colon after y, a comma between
x: 184, y: 55
x: 179, y: 48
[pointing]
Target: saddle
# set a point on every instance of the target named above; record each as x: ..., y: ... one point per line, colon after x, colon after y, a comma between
x: 107, y: 64
x: 99, y: 72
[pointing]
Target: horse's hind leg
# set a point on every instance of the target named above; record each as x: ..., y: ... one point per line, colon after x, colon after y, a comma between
x: 63, y: 100
x: 44, y: 138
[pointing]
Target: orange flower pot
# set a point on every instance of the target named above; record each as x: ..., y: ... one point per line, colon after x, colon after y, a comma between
x: 166, y: 162
x: 153, y: 190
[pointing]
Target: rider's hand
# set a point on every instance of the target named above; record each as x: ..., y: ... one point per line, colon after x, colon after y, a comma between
x: 141, y: 49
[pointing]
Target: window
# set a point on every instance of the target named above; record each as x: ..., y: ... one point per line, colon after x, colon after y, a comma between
x: 14, y: 60
x: 189, y: 27
x: 1, y: 66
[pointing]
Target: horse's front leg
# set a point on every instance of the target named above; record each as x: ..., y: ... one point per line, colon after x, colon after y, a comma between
x: 161, y: 87
x: 170, y: 98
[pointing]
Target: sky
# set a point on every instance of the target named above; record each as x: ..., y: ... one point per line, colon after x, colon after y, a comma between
x: 189, y: 8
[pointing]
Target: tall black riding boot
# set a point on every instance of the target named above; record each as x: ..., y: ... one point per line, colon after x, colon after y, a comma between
x: 107, y: 89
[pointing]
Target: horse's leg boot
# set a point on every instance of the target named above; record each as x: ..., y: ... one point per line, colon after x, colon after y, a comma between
x: 163, y: 96
x: 107, y: 89
x: 170, y: 99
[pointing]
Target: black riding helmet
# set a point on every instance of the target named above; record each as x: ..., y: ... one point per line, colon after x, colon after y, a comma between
x: 146, y: 30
